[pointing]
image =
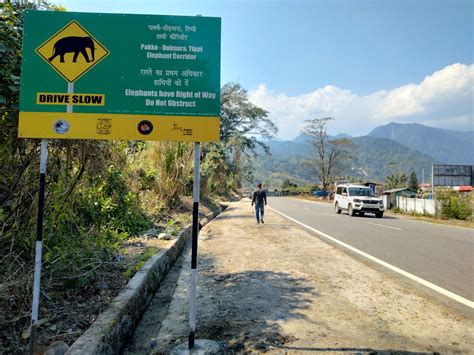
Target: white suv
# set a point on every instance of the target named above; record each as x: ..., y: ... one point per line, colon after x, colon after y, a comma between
x: 357, y: 199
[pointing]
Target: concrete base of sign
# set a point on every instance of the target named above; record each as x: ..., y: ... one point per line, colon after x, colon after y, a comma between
x: 201, y: 347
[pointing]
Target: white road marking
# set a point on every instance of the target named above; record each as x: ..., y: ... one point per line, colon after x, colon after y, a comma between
x: 421, y: 281
x: 330, y: 214
x: 306, y: 208
x: 383, y: 225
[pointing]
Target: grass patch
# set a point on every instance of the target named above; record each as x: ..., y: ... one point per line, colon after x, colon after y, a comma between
x: 143, y: 257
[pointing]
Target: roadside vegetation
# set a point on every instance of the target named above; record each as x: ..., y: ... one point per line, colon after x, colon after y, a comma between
x: 455, y: 205
x: 101, y: 197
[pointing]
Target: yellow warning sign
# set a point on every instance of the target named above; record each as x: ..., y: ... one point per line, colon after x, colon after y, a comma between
x: 72, y: 51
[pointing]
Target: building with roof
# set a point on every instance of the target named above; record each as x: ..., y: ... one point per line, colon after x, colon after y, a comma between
x: 391, y: 196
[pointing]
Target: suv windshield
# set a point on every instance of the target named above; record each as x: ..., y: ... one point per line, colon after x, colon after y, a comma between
x: 360, y: 191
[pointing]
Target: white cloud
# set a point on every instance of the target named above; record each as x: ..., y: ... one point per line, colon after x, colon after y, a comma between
x: 443, y: 99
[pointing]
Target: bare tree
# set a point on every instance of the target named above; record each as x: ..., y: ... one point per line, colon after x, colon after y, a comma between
x: 332, y: 155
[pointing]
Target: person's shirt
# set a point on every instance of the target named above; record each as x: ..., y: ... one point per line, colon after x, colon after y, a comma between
x: 259, y: 197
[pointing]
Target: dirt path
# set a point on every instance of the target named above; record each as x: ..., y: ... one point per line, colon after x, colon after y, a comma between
x: 278, y: 288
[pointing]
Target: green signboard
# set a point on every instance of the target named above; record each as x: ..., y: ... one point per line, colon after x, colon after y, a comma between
x: 147, y: 77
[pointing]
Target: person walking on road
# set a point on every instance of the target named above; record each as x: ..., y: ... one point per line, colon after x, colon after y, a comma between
x: 259, y: 198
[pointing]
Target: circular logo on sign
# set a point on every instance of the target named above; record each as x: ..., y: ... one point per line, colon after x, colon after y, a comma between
x: 145, y: 127
x: 61, y: 126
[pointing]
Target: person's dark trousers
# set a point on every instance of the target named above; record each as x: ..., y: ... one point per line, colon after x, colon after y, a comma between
x: 259, y: 211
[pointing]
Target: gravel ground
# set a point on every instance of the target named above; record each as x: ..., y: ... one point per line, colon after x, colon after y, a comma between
x: 278, y: 288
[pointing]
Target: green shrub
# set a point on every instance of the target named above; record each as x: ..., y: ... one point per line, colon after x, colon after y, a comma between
x: 147, y: 254
x: 163, y: 171
x: 397, y: 210
x: 455, y: 205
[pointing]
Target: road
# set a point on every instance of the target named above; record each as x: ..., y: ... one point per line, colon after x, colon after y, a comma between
x: 442, y: 255
x: 278, y: 288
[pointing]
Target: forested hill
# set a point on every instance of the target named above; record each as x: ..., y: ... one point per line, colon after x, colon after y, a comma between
x: 380, y: 157
x: 376, y: 158
x: 444, y: 145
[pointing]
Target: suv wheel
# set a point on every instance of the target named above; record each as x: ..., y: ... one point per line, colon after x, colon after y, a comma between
x: 351, y: 211
x: 336, y: 207
x: 379, y: 214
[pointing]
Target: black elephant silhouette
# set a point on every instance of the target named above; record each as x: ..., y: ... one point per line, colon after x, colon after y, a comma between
x: 74, y: 45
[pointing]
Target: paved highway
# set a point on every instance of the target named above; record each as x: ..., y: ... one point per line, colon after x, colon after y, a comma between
x: 441, y: 255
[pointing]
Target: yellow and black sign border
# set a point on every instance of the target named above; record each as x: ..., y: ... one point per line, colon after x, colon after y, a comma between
x: 57, y: 33
x: 122, y: 126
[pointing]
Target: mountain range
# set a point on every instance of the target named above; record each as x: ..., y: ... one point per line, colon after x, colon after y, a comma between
x: 390, y: 149
x: 444, y: 145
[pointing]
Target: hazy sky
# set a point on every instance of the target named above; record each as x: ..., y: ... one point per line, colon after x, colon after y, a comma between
x: 365, y: 63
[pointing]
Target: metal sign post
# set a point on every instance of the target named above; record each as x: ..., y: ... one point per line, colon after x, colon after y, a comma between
x: 39, y: 244
x: 39, y: 233
x: 195, y: 235
x: 432, y: 184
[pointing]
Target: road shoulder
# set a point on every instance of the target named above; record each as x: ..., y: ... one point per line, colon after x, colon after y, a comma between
x: 278, y: 287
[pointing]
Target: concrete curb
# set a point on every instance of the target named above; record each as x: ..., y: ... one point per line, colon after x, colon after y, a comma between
x: 109, y: 333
